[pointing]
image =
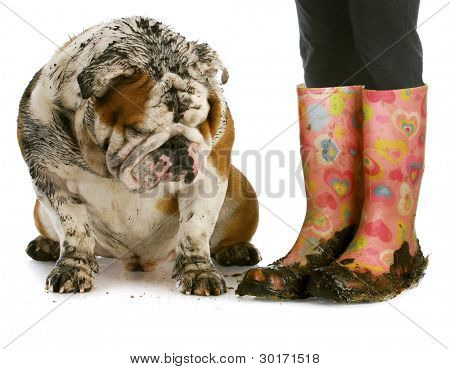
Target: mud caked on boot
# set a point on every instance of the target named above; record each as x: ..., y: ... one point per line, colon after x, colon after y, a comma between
x: 384, y: 258
x: 330, y: 137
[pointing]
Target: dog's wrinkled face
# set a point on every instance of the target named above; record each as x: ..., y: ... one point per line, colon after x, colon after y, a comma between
x: 176, y: 160
x: 147, y: 96
x: 151, y: 129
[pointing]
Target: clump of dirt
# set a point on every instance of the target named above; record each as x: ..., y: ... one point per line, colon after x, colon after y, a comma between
x: 338, y: 283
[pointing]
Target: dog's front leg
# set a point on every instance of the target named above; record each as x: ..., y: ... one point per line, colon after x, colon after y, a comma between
x: 199, y: 208
x: 76, y: 264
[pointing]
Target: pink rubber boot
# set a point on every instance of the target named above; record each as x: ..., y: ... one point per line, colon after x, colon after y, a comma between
x: 384, y: 257
x: 330, y: 136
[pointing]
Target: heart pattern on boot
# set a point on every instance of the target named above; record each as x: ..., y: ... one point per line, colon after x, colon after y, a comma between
x: 414, y: 167
x: 407, y: 123
x: 387, y: 97
x: 382, y: 193
x: 371, y: 167
x: 392, y: 150
x: 341, y: 183
x: 318, y: 222
x: 396, y: 175
x: 326, y: 200
x: 405, y: 203
x: 378, y: 229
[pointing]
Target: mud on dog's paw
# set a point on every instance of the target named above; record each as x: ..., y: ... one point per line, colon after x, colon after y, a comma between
x: 198, y: 276
x: 201, y: 283
x: 43, y: 249
x: 72, y: 275
x: 69, y: 279
x: 241, y: 254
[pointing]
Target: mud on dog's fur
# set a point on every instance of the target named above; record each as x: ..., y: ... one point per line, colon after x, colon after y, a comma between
x: 127, y: 137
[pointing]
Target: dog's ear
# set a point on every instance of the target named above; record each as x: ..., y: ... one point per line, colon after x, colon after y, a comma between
x: 99, y: 75
x: 210, y: 62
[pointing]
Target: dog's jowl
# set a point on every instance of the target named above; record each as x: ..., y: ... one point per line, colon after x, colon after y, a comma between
x: 128, y: 137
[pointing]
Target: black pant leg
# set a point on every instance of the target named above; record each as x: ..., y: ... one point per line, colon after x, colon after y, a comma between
x: 326, y: 44
x: 387, y: 42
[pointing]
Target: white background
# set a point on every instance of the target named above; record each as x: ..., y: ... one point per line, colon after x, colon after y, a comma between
x: 258, y: 41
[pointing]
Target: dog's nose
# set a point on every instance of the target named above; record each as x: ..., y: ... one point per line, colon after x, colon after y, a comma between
x: 177, y: 148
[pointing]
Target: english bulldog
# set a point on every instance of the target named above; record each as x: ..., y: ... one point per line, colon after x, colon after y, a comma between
x: 128, y: 138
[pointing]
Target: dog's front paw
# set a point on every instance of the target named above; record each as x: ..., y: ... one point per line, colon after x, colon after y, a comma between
x: 69, y: 279
x: 198, y: 277
x: 201, y: 283
x: 71, y: 276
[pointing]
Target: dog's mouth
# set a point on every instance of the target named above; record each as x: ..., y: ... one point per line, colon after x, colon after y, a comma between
x: 174, y: 161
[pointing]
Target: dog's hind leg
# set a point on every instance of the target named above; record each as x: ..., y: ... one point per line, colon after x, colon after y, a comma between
x: 46, y: 246
x: 237, y: 222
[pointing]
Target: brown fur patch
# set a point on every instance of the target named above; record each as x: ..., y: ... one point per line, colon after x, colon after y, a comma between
x: 37, y: 219
x: 149, y: 266
x: 168, y: 205
x: 220, y: 156
x: 205, y: 130
x: 125, y: 103
x: 214, y: 114
x: 132, y: 264
x: 242, y: 203
x: 209, y: 127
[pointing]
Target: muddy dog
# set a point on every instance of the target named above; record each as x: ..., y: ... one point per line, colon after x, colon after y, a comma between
x: 128, y: 137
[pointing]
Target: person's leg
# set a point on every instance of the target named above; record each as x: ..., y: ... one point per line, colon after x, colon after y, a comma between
x: 330, y: 136
x: 326, y: 44
x: 387, y: 42
x: 384, y: 257
x: 330, y: 127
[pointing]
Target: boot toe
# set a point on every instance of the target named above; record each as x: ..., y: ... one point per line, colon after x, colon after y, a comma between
x: 340, y: 284
x: 333, y: 282
x: 272, y: 282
